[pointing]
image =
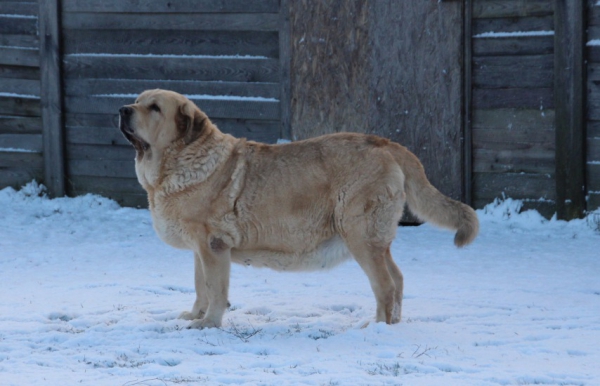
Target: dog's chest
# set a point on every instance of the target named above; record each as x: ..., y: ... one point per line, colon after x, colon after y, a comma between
x: 169, y: 231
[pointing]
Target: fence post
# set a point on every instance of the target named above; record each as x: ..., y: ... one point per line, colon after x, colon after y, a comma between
x: 285, y: 52
x: 467, y: 140
x: 51, y: 97
x: 569, y: 97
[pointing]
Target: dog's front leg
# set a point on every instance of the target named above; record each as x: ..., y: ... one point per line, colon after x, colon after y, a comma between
x: 201, y: 303
x: 216, y: 264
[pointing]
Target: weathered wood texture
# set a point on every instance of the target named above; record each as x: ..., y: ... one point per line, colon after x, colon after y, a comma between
x: 21, y: 157
x: 51, y: 97
x: 513, y: 102
x: 330, y: 67
x: 224, y: 54
x: 417, y: 84
x: 364, y: 67
x: 285, y: 52
x: 593, y: 107
x: 209, y: 50
x: 569, y: 92
x: 467, y: 140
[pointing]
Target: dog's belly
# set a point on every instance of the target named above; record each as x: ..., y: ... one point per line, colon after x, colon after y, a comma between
x: 326, y: 255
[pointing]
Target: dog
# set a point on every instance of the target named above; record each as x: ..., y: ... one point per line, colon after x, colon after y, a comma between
x: 305, y: 205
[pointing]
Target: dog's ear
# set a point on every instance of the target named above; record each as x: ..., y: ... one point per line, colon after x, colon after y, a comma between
x: 191, y: 122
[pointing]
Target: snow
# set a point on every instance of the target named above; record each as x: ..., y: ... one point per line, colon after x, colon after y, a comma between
x: 169, y: 56
x: 16, y: 150
x: 16, y: 16
x: 15, y: 95
x: 20, y: 48
x: 90, y: 295
x: 513, y: 34
x: 199, y: 97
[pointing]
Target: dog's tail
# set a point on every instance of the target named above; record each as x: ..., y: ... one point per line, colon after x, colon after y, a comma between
x: 428, y: 204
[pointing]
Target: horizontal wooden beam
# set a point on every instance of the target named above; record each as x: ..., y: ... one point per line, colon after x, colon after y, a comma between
x: 27, y: 142
x: 17, y: 177
x: 513, y: 24
x: 173, y: 68
x: 593, y: 174
x: 488, y: 186
x: 527, y: 71
x: 17, y: 40
x: 513, y: 46
x: 532, y: 158
x: 185, y: 21
x: 19, y: 106
x: 526, y: 98
x: 179, y: 6
x: 513, y: 119
x: 20, y: 86
x: 213, y: 108
x: 256, y: 130
x: 85, y: 87
x: 21, y: 160
x: 187, y: 43
x: 17, y: 124
x: 512, y: 8
x: 10, y: 56
x: 21, y: 8
x: 18, y: 25
x: 102, y: 168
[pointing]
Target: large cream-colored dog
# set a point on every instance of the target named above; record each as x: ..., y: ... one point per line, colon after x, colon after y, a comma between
x: 305, y: 205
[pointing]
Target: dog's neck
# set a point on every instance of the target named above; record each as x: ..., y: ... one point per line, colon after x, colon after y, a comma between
x: 187, y: 165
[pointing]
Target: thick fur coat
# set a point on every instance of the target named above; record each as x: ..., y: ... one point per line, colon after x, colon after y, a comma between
x: 305, y: 205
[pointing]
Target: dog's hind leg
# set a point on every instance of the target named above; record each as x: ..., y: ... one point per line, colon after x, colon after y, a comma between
x: 373, y: 260
x: 201, y: 303
x: 399, y: 284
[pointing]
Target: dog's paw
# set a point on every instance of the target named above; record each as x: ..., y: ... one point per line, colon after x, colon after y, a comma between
x: 186, y: 315
x: 203, y: 323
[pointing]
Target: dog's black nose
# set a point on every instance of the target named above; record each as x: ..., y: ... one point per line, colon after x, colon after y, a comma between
x: 125, y: 111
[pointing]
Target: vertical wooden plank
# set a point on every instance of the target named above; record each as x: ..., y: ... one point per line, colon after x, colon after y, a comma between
x: 331, y: 66
x: 285, y: 52
x: 51, y: 97
x: 416, y: 86
x: 569, y: 89
x: 467, y: 144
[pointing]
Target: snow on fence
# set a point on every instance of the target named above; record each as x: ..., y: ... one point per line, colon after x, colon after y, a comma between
x: 20, y: 112
x: 212, y: 48
x: 593, y: 101
x: 513, y: 102
x: 226, y: 51
x: 244, y: 50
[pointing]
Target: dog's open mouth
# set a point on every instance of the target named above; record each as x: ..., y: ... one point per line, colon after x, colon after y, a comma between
x: 138, y: 143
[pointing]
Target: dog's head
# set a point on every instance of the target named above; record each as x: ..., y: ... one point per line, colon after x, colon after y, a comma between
x: 158, y: 118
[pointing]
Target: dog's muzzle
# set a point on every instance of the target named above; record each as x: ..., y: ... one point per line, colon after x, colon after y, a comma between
x: 125, y: 114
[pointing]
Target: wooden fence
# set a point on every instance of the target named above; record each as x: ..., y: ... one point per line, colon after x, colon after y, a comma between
x: 513, y: 114
x: 224, y: 55
x: 21, y: 158
x: 593, y: 101
x: 490, y: 94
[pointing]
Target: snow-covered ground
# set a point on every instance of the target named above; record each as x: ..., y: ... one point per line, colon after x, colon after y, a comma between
x: 89, y: 295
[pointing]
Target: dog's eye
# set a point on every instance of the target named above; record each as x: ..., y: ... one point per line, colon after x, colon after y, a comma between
x: 154, y: 107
